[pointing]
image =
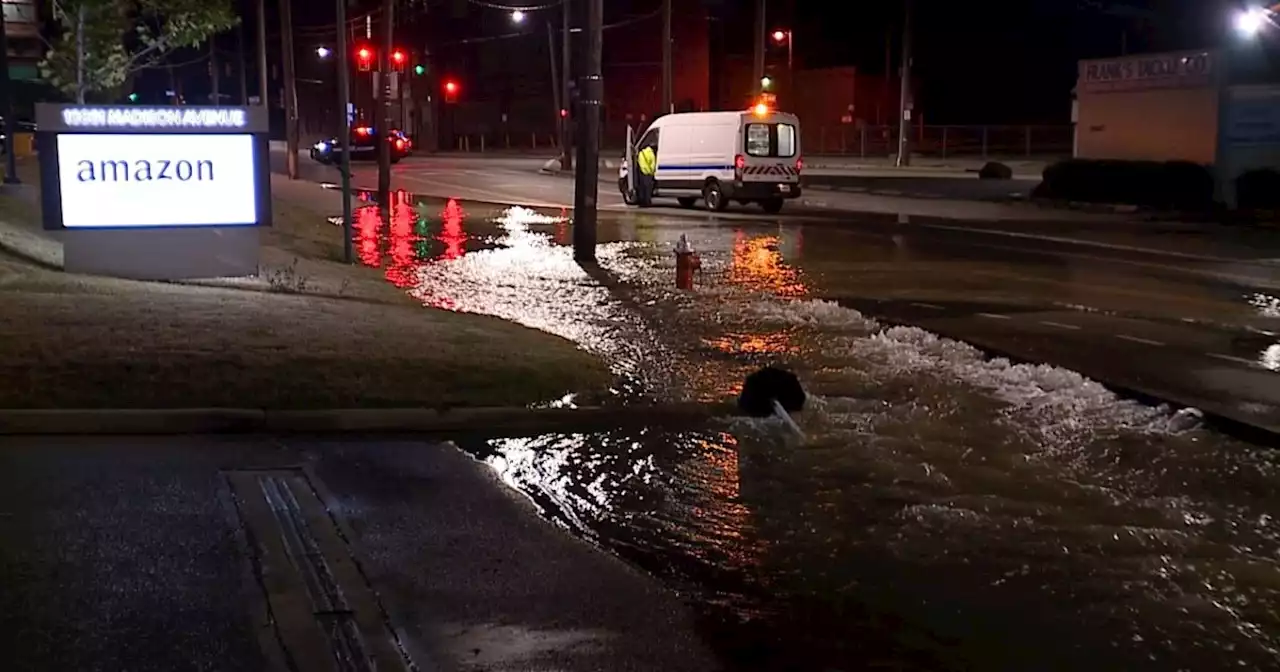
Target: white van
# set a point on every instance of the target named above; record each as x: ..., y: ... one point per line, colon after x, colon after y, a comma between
x: 718, y: 157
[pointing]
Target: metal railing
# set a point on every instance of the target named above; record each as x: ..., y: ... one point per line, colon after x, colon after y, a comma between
x: 973, y: 142
x: 940, y: 141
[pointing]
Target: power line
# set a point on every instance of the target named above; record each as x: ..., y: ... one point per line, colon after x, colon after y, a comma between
x: 507, y: 36
x: 515, y: 8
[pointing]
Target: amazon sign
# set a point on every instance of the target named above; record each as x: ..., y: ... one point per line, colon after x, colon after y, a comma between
x: 153, y: 167
x: 135, y: 177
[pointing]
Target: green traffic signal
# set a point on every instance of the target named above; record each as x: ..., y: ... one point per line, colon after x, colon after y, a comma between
x: 419, y: 69
x: 133, y: 97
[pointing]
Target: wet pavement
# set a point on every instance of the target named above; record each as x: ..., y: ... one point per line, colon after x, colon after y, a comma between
x: 944, y: 510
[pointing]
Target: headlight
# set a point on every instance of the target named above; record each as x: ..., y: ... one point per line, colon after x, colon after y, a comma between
x: 322, y: 146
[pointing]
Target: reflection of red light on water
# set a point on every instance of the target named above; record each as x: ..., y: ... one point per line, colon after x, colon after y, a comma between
x: 403, y: 262
x: 452, y: 234
x: 367, y: 221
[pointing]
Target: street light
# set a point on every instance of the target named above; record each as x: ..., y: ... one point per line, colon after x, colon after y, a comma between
x: 323, y: 52
x: 1249, y: 22
x: 517, y: 16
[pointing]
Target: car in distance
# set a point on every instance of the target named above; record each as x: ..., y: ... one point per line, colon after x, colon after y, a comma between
x: 364, y: 146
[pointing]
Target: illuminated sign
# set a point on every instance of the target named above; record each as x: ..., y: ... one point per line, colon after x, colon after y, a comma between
x: 128, y: 180
x: 1178, y: 70
x: 154, y: 118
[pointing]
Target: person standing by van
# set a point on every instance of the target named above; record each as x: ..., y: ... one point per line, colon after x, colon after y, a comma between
x: 647, y: 162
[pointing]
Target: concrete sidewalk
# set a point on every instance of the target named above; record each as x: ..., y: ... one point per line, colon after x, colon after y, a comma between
x: 182, y: 548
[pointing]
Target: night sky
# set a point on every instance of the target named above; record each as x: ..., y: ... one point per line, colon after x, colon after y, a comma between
x: 977, y: 61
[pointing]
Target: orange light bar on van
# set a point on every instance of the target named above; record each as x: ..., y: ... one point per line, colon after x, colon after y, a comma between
x: 760, y: 109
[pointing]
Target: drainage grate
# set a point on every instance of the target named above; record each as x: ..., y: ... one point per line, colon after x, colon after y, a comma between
x: 325, y: 614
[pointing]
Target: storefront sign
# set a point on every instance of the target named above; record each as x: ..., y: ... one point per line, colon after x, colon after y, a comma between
x: 1178, y: 70
x: 155, y: 192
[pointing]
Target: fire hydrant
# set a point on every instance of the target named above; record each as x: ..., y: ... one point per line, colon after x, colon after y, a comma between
x: 686, y: 263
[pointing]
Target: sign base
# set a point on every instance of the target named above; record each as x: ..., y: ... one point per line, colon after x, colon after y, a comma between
x: 163, y: 254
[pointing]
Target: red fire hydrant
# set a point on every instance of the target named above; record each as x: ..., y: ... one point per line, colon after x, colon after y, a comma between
x: 686, y: 263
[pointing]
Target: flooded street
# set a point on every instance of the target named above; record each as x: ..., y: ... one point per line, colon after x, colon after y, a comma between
x: 943, y: 510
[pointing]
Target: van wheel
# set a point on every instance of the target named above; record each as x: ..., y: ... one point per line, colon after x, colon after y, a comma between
x: 687, y: 201
x: 713, y: 196
x: 772, y: 205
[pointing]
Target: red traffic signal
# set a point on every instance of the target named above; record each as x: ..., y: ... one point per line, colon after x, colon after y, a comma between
x: 398, y: 59
x: 364, y: 59
x: 450, y: 91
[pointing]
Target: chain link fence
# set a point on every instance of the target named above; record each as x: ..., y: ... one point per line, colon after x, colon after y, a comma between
x: 940, y: 141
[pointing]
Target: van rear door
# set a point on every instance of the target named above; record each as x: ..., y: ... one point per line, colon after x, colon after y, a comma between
x: 771, y: 148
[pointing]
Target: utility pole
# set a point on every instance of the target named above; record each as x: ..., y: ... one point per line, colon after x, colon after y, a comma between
x: 290, y: 89
x: 904, y: 99
x: 6, y: 109
x: 668, y: 102
x: 344, y: 129
x: 586, y: 186
x: 263, y: 84
x: 566, y: 41
x: 760, y: 44
x: 215, y: 95
x: 555, y: 86
x: 383, y: 98
x: 240, y: 63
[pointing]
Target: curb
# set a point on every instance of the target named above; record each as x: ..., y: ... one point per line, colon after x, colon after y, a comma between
x: 186, y: 421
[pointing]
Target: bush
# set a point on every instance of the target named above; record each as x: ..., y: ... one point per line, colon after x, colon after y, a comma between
x: 1178, y: 185
x: 994, y: 170
x: 1258, y: 190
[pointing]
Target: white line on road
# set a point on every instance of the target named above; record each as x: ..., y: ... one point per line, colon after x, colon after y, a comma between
x: 930, y: 306
x: 1138, y: 339
x: 1059, y: 325
x: 994, y: 316
x: 1229, y: 358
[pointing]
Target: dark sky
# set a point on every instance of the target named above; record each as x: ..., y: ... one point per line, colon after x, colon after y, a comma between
x: 977, y: 61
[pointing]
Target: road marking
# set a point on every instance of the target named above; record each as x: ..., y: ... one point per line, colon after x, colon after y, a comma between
x: 994, y: 316
x: 1059, y: 325
x: 930, y: 306
x: 1138, y: 339
x: 1229, y: 358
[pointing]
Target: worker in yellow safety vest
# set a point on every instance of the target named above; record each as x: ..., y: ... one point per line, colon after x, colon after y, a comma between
x: 647, y: 162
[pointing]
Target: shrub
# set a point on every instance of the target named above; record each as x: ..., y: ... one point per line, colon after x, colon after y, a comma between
x: 1258, y: 189
x: 994, y: 170
x: 1173, y: 184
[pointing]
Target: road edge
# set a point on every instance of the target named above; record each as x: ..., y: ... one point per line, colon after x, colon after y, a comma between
x: 495, y: 420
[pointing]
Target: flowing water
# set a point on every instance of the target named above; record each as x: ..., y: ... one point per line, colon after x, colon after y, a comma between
x: 942, y: 510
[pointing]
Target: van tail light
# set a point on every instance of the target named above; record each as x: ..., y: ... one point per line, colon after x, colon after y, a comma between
x: 399, y: 144
x: 799, y: 165
x: 739, y: 164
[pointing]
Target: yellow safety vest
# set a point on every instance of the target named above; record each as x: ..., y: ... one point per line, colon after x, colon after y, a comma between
x: 647, y: 161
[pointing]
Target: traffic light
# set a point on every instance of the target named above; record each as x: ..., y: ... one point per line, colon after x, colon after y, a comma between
x: 133, y: 97
x: 765, y: 83
x: 419, y: 69
x: 450, y: 91
x: 398, y: 59
x: 364, y: 59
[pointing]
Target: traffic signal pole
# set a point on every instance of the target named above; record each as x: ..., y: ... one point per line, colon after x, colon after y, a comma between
x: 290, y: 88
x: 904, y: 99
x: 586, y: 188
x: 344, y: 130
x: 566, y: 146
x: 383, y: 98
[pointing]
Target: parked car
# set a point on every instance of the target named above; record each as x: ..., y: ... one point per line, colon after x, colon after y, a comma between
x: 22, y: 127
x: 364, y: 146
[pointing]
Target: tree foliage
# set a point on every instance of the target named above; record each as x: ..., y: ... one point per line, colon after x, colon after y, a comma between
x: 101, y: 43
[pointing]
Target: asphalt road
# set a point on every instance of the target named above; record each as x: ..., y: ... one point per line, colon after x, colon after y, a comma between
x: 174, y: 554
x: 515, y: 179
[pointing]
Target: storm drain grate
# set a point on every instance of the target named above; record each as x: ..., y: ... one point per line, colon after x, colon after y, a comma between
x: 325, y: 615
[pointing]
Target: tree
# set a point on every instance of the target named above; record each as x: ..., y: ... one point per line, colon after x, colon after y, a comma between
x: 102, y: 43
